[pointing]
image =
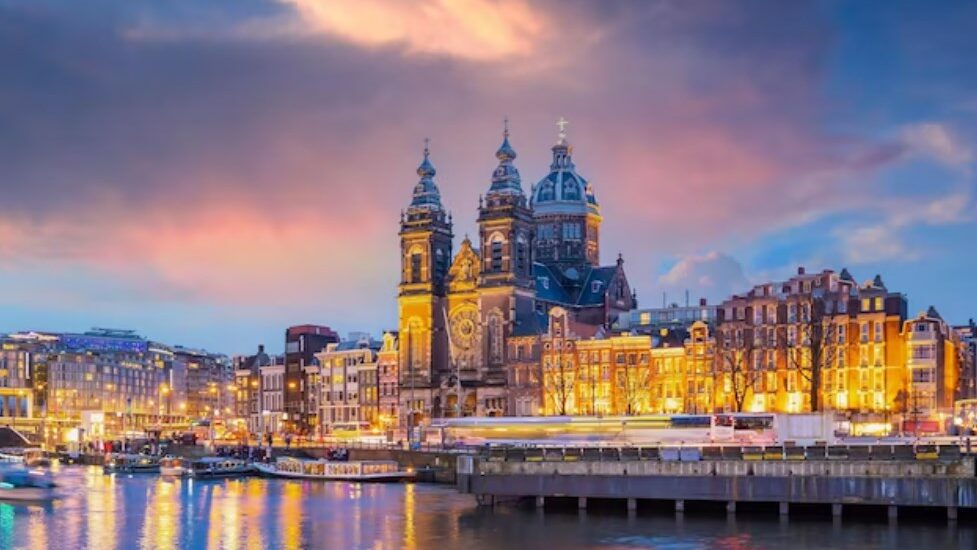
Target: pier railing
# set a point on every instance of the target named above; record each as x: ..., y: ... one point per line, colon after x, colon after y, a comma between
x: 922, y: 452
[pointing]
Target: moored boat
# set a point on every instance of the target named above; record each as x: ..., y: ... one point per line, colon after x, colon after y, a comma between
x: 216, y: 466
x: 131, y: 464
x: 23, y: 485
x: 173, y: 466
x: 363, y: 470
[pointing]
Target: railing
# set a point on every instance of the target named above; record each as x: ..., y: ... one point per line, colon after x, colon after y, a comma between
x: 918, y: 452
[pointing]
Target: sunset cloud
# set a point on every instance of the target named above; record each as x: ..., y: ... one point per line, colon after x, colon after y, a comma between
x: 249, y: 159
x: 470, y: 29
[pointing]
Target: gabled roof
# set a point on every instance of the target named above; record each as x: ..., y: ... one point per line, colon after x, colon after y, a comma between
x: 933, y: 314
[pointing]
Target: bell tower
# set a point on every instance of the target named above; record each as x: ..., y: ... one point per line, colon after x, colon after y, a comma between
x: 506, y: 289
x: 425, y: 256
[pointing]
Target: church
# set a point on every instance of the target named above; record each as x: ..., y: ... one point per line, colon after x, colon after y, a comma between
x: 458, y: 310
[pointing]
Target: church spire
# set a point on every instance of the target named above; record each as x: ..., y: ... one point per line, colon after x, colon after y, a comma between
x: 505, y: 179
x: 426, y: 194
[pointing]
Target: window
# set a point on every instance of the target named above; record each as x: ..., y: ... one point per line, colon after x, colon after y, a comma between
x: 866, y: 304
x: 878, y: 331
x: 595, y: 286
x: 792, y: 313
x: 879, y: 304
x: 496, y: 260
x: 546, y: 192
x: 864, y: 332
x: 415, y: 267
x: 521, y: 254
x: 841, y: 334
x: 758, y: 315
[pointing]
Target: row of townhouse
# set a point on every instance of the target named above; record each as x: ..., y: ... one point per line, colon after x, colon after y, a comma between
x: 815, y: 342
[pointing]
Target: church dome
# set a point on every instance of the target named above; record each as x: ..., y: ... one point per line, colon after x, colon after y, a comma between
x: 426, y: 194
x: 563, y: 190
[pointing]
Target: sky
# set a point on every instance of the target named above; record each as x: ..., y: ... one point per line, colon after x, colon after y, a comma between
x: 209, y: 172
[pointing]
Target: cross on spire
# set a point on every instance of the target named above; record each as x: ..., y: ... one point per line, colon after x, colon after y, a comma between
x: 427, y: 144
x: 505, y: 123
x: 562, y: 125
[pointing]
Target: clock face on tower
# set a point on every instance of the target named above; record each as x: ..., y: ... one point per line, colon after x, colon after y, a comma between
x: 464, y: 328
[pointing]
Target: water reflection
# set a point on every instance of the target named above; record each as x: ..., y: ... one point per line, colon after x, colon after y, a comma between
x: 107, y: 512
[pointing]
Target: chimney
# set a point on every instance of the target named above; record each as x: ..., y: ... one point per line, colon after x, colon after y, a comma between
x: 261, y: 348
x: 800, y: 270
x: 702, y: 301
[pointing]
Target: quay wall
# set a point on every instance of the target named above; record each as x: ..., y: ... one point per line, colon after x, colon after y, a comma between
x: 893, y: 483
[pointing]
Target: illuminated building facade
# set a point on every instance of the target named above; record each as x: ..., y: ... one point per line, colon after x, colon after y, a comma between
x: 588, y: 372
x: 273, y: 416
x: 349, y: 394
x: 247, y: 388
x: 200, y: 384
x: 933, y: 358
x: 817, y: 337
x: 967, y: 388
x: 302, y: 342
x: 388, y: 382
x: 460, y: 314
x: 817, y: 341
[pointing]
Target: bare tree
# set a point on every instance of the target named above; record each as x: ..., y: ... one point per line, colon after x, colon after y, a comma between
x: 814, y: 345
x: 735, y: 360
x: 558, y: 382
x: 633, y: 380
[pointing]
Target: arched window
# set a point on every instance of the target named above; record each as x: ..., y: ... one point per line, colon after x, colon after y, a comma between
x: 571, y: 191
x: 522, y: 259
x: 496, y: 250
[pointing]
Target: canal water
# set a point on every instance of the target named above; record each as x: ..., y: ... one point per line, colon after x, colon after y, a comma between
x: 105, y: 512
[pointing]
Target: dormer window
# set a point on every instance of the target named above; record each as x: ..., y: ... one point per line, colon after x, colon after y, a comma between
x: 595, y: 286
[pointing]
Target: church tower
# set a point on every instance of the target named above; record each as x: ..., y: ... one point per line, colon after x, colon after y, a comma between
x: 506, y: 288
x: 425, y: 255
x: 566, y: 213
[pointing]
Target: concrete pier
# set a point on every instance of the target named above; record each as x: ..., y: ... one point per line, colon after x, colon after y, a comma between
x: 949, y: 484
x: 951, y: 513
x: 540, y: 501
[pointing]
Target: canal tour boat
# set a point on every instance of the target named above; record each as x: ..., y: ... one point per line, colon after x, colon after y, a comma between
x: 22, y: 485
x: 173, y: 466
x: 365, y: 470
x: 217, y: 466
x: 131, y: 464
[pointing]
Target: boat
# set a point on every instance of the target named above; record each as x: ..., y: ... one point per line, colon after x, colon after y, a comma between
x: 131, y: 464
x: 218, y: 466
x: 326, y: 470
x: 173, y: 466
x: 24, y: 485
